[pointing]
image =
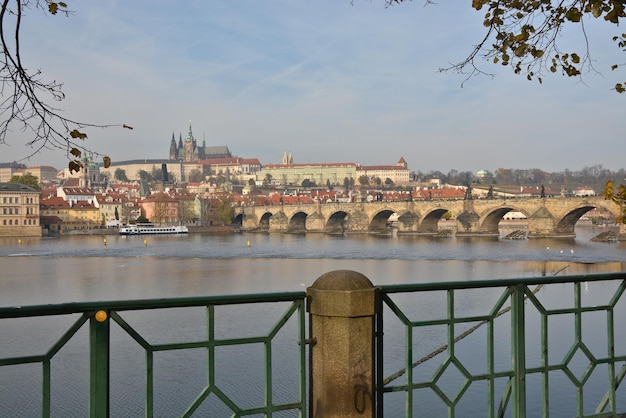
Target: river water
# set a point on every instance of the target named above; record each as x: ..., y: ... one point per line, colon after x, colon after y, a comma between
x: 86, y: 268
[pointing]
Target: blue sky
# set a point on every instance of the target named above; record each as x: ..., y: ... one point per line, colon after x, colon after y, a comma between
x: 328, y: 81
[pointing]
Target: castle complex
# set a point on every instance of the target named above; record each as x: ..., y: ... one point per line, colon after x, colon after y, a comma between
x: 189, y: 150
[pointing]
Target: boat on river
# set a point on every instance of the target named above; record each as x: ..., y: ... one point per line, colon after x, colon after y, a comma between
x: 150, y: 229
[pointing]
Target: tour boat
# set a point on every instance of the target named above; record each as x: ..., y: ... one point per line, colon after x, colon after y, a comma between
x: 150, y: 229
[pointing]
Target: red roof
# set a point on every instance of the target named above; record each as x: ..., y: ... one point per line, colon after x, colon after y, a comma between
x: 53, y: 202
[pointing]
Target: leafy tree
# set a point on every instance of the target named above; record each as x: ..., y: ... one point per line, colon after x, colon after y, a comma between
x: 308, y: 183
x: 388, y: 182
x: 117, y: 214
x: 346, y: 183
x: 27, y: 180
x: 225, y: 210
x: 364, y: 180
x: 617, y: 194
x: 142, y: 220
x: 195, y: 176
x: 120, y: 175
x: 144, y: 175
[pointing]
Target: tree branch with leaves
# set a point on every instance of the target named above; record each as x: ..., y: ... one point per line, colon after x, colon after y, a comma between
x: 26, y: 96
x: 524, y: 35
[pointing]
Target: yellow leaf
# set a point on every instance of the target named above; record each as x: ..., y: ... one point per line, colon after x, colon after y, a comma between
x: 76, y: 134
x: 74, y: 166
x: 75, y: 152
x: 107, y: 161
x: 52, y: 8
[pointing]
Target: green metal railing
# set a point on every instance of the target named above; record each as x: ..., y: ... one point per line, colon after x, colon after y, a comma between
x: 529, y: 338
x: 101, y: 316
x: 506, y: 383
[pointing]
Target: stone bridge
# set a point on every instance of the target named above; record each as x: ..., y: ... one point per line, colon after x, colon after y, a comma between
x: 547, y: 217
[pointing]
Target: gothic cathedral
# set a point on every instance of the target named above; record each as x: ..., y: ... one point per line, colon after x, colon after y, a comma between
x: 189, y: 151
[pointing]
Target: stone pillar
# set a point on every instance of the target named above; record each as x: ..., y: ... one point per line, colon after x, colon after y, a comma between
x: 342, y: 306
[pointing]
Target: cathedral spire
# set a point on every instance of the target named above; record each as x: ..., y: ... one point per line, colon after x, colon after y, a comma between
x: 189, y: 134
x: 173, y: 149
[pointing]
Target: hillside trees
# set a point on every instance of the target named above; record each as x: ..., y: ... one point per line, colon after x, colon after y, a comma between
x: 120, y: 175
x: 27, y: 179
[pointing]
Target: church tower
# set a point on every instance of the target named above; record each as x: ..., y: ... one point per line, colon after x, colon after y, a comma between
x: 84, y: 180
x: 190, y: 145
x: 173, y: 149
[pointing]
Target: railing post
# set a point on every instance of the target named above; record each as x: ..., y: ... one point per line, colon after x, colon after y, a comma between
x: 342, y: 309
x: 518, y: 348
x: 99, y: 327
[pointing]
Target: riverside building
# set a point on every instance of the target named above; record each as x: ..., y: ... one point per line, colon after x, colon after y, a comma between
x: 19, y: 211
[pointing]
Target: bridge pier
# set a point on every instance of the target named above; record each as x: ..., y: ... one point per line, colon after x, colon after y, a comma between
x: 315, y: 223
x: 249, y: 220
x: 468, y: 223
x: 279, y: 222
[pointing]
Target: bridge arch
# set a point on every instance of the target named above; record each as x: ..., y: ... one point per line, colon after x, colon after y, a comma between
x: 335, y: 222
x: 297, y: 223
x: 379, y: 222
x: 264, y: 221
x: 430, y: 223
x: 489, y: 223
x: 565, y: 225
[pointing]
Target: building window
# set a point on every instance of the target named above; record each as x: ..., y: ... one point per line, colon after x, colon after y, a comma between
x: 10, y: 221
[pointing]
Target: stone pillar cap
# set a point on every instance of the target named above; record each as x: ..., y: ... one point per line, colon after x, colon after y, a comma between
x: 342, y: 293
x: 342, y: 280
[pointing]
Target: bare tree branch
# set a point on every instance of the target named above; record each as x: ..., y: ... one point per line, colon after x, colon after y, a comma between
x: 25, y: 95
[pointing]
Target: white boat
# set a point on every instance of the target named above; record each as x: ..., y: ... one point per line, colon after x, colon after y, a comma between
x: 150, y: 229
